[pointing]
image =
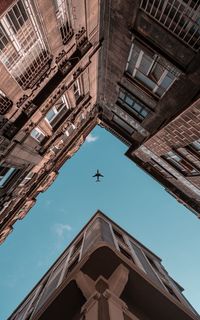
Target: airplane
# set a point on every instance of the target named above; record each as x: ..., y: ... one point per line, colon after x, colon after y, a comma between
x: 98, y: 174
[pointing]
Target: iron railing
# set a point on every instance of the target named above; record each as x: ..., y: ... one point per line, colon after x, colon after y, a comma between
x: 181, y: 17
x: 23, y: 50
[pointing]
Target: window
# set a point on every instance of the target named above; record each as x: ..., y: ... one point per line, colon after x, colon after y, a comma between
x: 5, y: 103
x: 161, y: 169
x: 76, y: 90
x: 63, y: 17
x: 181, y: 164
x: 22, y: 47
x: 169, y: 289
x: 128, y: 101
x: 181, y: 17
x: 17, y: 16
x: 5, y: 175
x: 28, y: 177
x: 195, y: 145
x: 118, y: 235
x: 37, y: 134
x: 125, y: 253
x: 60, y: 105
x: 148, y: 68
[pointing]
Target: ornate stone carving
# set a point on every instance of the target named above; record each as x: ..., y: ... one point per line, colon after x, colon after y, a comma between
x: 24, y: 209
x: 47, y: 181
x: 22, y: 100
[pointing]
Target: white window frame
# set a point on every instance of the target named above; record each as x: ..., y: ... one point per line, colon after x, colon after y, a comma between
x: 56, y: 112
x: 77, y: 90
x: 40, y: 133
x: 153, y: 65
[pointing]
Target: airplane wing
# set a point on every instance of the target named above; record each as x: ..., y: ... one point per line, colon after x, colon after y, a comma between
x: 100, y: 175
x: 94, y: 176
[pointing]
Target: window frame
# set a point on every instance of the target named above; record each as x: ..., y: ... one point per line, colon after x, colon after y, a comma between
x: 184, y: 166
x: 138, y: 114
x: 193, y: 147
x: 76, y: 90
x: 41, y: 133
x: 55, y: 107
x: 132, y: 70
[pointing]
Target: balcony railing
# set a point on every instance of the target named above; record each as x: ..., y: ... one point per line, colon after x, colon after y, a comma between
x: 181, y: 17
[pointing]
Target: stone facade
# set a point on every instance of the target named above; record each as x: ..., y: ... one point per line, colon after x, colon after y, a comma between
x: 180, y: 177
x: 106, y: 274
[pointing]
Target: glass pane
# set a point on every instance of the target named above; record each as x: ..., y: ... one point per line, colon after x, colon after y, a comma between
x: 16, y: 16
x: 3, y: 38
x: 128, y: 100
x: 196, y: 145
x: 145, y: 80
x: 137, y: 107
x: 145, y: 63
x: 50, y: 115
x: 133, y: 59
x: 6, y: 176
x: 159, y: 91
x: 167, y: 81
x: 144, y: 113
x: 157, y: 72
x: 121, y: 95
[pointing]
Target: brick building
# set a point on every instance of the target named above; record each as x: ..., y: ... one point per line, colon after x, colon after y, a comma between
x: 67, y: 65
x: 105, y: 274
x: 172, y: 156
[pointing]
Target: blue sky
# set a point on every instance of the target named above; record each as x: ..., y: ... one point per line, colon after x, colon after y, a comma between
x: 126, y: 194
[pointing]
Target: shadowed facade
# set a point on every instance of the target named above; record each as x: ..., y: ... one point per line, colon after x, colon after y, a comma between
x: 106, y: 274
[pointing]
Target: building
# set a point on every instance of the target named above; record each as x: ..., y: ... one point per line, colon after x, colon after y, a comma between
x: 105, y: 274
x: 67, y: 65
x: 172, y: 156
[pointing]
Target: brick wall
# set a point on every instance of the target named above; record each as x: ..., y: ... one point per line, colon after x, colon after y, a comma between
x: 179, y: 133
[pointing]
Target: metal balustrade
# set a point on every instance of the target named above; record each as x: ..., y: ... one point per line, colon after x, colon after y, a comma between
x: 64, y: 19
x: 23, y: 50
x: 181, y: 17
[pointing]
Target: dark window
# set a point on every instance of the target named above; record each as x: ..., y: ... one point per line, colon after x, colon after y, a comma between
x: 195, y: 145
x: 73, y: 264
x: 152, y: 263
x: 17, y: 16
x: 77, y: 246
x: 130, y: 102
x: 3, y: 38
x: 118, y: 235
x: 170, y: 290
x: 125, y: 253
x: 161, y: 169
x: 180, y: 163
